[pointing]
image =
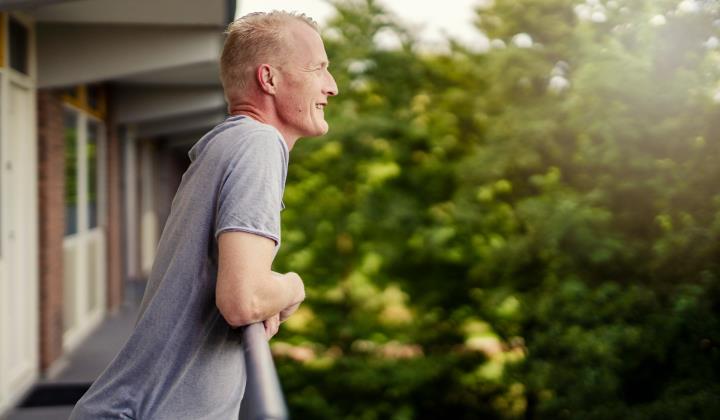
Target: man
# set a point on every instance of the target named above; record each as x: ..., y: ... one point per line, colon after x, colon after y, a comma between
x: 212, y: 271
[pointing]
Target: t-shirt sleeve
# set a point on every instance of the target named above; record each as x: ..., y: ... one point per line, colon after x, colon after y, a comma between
x: 250, y: 198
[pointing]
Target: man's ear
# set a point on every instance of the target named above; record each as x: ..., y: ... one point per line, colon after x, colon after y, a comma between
x: 267, y: 78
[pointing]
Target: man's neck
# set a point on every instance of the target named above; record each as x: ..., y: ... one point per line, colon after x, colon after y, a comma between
x: 256, y: 114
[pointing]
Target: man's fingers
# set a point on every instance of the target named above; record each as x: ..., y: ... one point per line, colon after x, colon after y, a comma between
x: 276, y: 325
x: 268, y: 329
x: 272, y: 325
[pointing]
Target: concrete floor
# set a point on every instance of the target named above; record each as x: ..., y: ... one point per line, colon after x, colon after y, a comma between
x: 85, y: 363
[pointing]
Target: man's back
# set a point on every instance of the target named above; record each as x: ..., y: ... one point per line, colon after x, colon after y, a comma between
x: 184, y: 361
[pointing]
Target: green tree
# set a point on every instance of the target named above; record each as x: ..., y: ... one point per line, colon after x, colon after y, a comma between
x: 528, y: 232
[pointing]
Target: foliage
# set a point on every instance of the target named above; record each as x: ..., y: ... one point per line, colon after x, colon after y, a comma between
x: 527, y: 232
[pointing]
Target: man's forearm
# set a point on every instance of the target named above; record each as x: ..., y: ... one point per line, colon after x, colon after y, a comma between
x: 249, y: 300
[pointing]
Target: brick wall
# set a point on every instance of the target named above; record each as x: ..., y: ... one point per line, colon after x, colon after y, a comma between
x: 52, y: 224
x: 51, y: 158
x: 114, y: 216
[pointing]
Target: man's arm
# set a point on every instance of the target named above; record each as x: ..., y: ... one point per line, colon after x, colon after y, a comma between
x: 247, y: 290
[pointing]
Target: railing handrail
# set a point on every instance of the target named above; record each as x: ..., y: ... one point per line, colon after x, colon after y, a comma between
x: 263, y: 399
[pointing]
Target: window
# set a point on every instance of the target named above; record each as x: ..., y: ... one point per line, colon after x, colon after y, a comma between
x: 83, y: 177
x: 94, y: 93
x: 89, y: 98
x: 84, y: 244
x: 91, y: 156
x: 71, y: 173
x: 18, y: 35
x: 69, y: 94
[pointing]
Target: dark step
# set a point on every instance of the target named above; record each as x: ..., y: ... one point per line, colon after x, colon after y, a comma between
x: 46, y: 395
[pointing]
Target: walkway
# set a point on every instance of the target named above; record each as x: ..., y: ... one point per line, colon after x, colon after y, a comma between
x: 53, y: 398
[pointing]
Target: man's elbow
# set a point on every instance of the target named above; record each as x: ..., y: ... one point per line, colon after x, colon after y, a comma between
x: 239, y: 312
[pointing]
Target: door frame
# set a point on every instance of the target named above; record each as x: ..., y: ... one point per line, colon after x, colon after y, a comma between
x: 77, y: 245
x: 18, y: 229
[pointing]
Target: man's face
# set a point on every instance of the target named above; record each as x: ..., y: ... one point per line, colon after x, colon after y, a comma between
x: 305, y: 84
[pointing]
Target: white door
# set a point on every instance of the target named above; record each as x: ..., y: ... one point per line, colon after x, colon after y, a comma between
x: 84, y: 243
x: 18, y: 263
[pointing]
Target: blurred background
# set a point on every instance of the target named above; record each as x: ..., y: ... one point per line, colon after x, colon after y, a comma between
x: 516, y: 213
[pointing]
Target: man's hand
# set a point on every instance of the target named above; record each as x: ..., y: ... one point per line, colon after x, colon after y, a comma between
x: 272, y: 325
x: 285, y: 313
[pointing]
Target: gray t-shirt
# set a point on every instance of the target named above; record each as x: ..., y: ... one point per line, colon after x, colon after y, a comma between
x: 183, y: 361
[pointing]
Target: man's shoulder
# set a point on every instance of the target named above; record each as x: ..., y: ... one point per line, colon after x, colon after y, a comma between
x: 243, y: 124
x: 239, y: 135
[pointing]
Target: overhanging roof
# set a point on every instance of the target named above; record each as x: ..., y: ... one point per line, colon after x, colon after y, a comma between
x: 161, y: 57
x: 206, y: 73
x: 70, y: 54
x: 138, y: 104
x: 25, y: 4
x: 139, y: 12
x: 176, y: 126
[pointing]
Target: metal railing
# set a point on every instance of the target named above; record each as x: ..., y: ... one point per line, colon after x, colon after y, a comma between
x: 263, y: 399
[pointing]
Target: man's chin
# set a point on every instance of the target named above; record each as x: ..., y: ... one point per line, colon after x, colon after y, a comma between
x: 319, y: 131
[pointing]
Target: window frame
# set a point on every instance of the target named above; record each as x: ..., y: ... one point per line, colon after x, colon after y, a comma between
x: 83, y: 119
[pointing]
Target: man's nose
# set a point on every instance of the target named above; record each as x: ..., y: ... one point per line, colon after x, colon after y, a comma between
x: 330, y: 88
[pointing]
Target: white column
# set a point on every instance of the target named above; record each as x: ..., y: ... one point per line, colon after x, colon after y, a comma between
x: 149, y: 219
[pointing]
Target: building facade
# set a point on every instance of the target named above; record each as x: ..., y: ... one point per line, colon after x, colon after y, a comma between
x: 100, y: 101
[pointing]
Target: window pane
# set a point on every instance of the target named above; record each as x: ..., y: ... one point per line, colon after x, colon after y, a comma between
x: 18, y: 34
x: 71, y: 174
x: 92, y: 165
x: 69, y: 93
x: 93, y: 97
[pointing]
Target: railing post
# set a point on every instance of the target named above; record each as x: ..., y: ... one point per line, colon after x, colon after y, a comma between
x: 263, y: 399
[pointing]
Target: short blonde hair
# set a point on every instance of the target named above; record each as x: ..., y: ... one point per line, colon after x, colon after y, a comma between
x: 253, y: 39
